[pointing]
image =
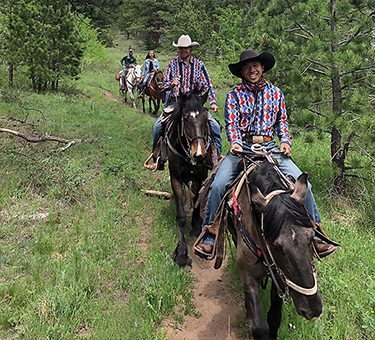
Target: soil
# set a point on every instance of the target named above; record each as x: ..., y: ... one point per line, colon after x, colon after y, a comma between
x: 221, y: 309
x: 111, y: 96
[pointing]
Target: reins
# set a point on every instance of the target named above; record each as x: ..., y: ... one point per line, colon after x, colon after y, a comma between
x: 273, y: 269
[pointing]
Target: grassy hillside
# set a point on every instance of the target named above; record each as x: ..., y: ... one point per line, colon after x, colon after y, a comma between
x: 83, y: 253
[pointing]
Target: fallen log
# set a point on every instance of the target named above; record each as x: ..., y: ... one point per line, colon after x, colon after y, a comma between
x: 161, y: 194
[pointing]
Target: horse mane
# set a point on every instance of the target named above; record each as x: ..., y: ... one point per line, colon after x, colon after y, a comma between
x: 282, y: 207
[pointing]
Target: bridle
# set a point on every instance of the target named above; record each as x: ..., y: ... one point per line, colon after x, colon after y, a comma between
x: 181, y: 132
x: 136, y: 79
x: 274, y: 269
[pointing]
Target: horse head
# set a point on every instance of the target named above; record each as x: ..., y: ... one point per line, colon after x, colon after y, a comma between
x: 159, y: 81
x: 194, y: 124
x: 137, y: 73
x: 288, y: 235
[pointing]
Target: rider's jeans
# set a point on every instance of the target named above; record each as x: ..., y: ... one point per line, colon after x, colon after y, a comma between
x: 159, y: 127
x: 228, y: 170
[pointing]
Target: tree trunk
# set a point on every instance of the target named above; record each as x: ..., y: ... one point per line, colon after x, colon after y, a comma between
x: 337, y: 154
x: 10, y: 74
x: 338, y: 160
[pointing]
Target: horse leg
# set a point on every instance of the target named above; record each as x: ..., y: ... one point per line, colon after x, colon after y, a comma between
x: 132, y: 99
x: 274, y: 313
x: 180, y: 255
x: 149, y: 105
x: 254, y: 315
x: 196, y: 220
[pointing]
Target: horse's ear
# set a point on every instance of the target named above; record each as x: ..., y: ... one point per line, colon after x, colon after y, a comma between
x: 257, y: 198
x: 300, y: 188
x: 204, y: 97
x: 182, y: 96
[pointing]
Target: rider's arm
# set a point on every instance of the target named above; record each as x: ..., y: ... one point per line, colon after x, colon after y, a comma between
x: 146, y: 66
x: 232, y: 119
x: 168, y: 75
x: 207, y: 85
x: 281, y: 125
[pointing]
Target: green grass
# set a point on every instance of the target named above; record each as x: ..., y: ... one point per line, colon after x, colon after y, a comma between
x: 83, y: 253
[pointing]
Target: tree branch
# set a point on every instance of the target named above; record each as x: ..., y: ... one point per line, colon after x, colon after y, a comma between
x: 318, y: 71
x: 318, y: 63
x: 38, y: 139
x: 316, y: 112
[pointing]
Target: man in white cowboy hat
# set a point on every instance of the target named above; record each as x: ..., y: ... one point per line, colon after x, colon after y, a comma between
x: 254, y: 112
x: 184, y: 74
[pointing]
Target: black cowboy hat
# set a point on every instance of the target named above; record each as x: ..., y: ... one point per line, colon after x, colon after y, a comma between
x: 265, y: 58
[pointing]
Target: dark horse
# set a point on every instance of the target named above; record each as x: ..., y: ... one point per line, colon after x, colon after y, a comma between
x: 154, y: 90
x: 274, y: 237
x: 191, y: 152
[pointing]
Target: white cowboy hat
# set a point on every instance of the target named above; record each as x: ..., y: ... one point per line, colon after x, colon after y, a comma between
x: 185, y: 41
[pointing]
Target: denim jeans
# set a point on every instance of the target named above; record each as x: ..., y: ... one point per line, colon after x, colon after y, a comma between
x: 228, y: 170
x: 158, y: 130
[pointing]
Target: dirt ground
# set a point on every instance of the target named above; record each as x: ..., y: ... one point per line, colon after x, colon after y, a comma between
x: 221, y: 309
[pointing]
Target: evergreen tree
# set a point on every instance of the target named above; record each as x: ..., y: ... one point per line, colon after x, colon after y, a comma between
x: 326, y: 63
x: 42, y: 36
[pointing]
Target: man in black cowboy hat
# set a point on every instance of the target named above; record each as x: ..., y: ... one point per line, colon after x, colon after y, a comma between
x: 254, y: 112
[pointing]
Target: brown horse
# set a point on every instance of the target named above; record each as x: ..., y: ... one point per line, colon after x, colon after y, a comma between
x: 274, y: 237
x: 191, y: 152
x: 154, y: 90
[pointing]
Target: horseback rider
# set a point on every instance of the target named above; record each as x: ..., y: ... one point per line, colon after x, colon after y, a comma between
x: 127, y: 62
x: 150, y: 65
x: 254, y: 112
x: 185, y: 73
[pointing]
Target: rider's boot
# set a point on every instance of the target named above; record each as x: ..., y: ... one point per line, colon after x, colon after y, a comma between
x: 323, y: 245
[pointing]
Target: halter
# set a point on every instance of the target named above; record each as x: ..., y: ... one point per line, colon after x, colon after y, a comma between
x: 269, y: 260
x: 181, y: 132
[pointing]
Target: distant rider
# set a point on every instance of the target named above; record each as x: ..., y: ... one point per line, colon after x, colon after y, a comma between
x: 127, y: 62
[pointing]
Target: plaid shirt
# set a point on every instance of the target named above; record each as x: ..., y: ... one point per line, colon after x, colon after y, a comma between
x: 246, y: 113
x: 193, y: 75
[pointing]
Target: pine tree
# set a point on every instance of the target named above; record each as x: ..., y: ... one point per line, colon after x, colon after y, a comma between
x: 326, y: 62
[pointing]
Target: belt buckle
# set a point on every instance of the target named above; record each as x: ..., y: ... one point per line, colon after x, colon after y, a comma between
x: 258, y: 139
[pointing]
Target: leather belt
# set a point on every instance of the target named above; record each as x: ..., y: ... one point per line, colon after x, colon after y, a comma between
x: 257, y: 139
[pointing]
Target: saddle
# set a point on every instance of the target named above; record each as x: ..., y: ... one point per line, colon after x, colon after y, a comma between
x: 229, y: 208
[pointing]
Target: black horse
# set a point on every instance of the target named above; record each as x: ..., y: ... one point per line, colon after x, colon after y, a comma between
x: 274, y: 237
x: 191, y: 152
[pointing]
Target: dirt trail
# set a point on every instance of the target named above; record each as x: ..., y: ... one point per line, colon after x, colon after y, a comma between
x: 111, y: 96
x: 221, y: 310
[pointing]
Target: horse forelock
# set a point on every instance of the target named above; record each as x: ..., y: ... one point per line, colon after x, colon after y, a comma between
x: 282, y: 209
x: 192, y: 103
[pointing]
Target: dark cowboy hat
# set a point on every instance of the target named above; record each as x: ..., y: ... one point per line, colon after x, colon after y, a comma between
x: 265, y: 58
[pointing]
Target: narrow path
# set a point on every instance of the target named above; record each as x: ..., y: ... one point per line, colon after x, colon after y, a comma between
x: 111, y: 96
x: 221, y: 309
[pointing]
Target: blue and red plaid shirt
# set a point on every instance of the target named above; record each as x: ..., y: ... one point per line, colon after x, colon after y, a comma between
x: 262, y: 114
x: 193, y: 76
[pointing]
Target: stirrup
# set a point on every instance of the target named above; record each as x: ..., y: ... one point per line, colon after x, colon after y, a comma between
x: 201, y: 253
x: 154, y: 166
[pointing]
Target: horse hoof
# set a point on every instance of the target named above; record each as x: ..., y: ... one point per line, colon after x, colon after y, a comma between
x: 183, y: 261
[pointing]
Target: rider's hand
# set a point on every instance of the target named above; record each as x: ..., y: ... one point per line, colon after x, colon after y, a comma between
x: 284, y: 147
x: 235, y: 149
x: 176, y: 81
x: 214, y: 108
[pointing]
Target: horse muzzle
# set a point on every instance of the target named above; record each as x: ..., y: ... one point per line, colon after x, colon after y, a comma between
x: 198, y: 151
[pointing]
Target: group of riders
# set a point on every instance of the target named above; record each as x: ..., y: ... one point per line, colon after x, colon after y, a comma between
x: 150, y: 66
x: 254, y: 113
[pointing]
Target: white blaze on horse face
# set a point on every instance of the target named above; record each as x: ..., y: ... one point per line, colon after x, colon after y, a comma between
x: 293, y: 235
x: 194, y: 114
